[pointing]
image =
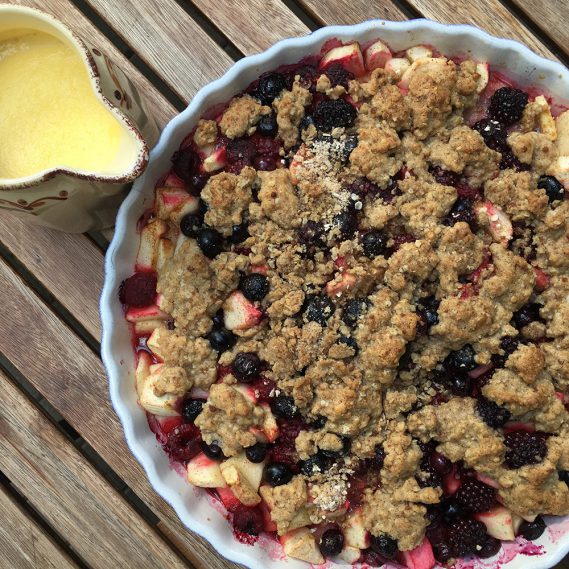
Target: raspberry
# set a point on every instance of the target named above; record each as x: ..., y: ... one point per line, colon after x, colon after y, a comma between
x: 184, y: 442
x: 507, y: 105
x: 493, y: 132
x: 338, y: 75
x: 401, y: 239
x: 524, y: 448
x: 465, y: 535
x: 248, y: 520
x: 475, y: 495
x: 139, y: 290
x: 241, y: 150
x: 331, y: 114
x: 492, y: 414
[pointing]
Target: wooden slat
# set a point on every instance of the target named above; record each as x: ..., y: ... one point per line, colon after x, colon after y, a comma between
x: 331, y: 12
x: 168, y: 40
x: 24, y: 544
x: 159, y: 107
x: 489, y: 15
x: 73, y: 380
x: 551, y: 17
x: 253, y: 26
x: 69, y: 266
x: 70, y: 494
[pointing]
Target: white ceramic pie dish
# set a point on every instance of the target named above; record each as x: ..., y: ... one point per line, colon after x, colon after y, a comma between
x: 193, y: 506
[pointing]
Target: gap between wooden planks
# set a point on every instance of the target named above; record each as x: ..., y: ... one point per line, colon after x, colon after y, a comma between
x: 57, y: 363
x: 74, y: 498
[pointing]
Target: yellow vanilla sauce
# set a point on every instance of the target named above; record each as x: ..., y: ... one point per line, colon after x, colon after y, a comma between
x: 49, y: 114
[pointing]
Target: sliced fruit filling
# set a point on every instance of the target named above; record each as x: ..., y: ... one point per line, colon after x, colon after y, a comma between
x: 350, y: 308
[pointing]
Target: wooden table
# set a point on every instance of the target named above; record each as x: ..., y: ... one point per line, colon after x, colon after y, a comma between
x: 72, y: 494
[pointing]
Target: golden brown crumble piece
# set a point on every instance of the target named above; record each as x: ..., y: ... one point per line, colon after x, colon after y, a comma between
x: 241, y: 116
x: 533, y: 148
x: 206, y: 133
x: 290, y: 111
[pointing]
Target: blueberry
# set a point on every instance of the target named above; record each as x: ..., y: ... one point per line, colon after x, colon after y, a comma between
x: 526, y: 315
x: 374, y: 243
x: 256, y: 453
x: 315, y: 464
x: 221, y: 339
x: 378, y: 457
x: 353, y: 310
x: 331, y: 114
x: 553, y: 188
x: 428, y: 310
x: 489, y: 548
x: 218, y: 318
x: 213, y: 450
x: 348, y: 147
x: 311, y: 237
x: 267, y: 126
x: 347, y: 222
x: 462, y: 210
x: 246, y: 366
x: 239, y: 233
x: 440, y: 463
x: 507, y: 105
x: 318, y: 309
x: 270, y: 87
x: 331, y: 542
x: 191, y: 409
x: 385, y: 545
x: 318, y: 422
x: 349, y: 341
x: 184, y: 163
x: 450, y: 510
x: 197, y: 183
x: 462, y: 359
x: 277, y: 474
x: 493, y: 132
x: 492, y: 414
x: 191, y: 225
x: 210, y: 242
x: 283, y: 407
x: 305, y: 122
x: 532, y: 530
x: 254, y: 286
x: 564, y: 476
x: 461, y: 385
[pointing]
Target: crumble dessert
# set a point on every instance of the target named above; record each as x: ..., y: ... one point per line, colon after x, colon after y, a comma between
x: 351, y: 308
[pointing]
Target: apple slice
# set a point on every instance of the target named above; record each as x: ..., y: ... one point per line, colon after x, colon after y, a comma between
x: 355, y: 533
x: 144, y: 327
x: 350, y: 554
x: 142, y: 371
x: 498, y: 522
x: 244, y: 478
x: 342, y: 282
x: 165, y: 252
x: 489, y: 481
x: 418, y: 52
x: 421, y: 557
x: 148, y: 248
x: 542, y: 279
x: 377, y: 55
x: 451, y: 482
x: 239, y: 313
x: 153, y: 342
x: 301, y: 544
x: 216, y: 159
x: 169, y: 200
x: 163, y: 406
x: 500, y: 225
x: 268, y: 524
x: 429, y: 64
x: 482, y: 70
x: 228, y: 498
x: 349, y: 56
x: 547, y: 124
x: 398, y: 65
x: 152, y: 312
x: 270, y: 427
x: 204, y: 472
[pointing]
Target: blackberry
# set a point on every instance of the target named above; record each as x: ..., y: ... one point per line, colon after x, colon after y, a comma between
x: 270, y: 87
x: 256, y: 453
x: 314, y: 464
x: 338, y: 75
x: 553, y: 188
x: 564, y: 476
x: 138, y: 290
x: 524, y: 448
x: 385, y: 545
x: 210, y: 242
x: 283, y: 407
x: 462, y: 359
x: 462, y: 210
x: 374, y: 243
x: 347, y: 223
x: 311, y: 237
x: 241, y: 150
x: 350, y: 342
x: 475, y: 496
x: 318, y: 309
x: 430, y: 479
x: 191, y: 225
x: 331, y: 542
x: 191, y: 409
x: 493, y: 132
x: 331, y: 114
x: 492, y: 414
x: 509, y: 344
x: 363, y: 187
x: 526, y: 315
x: 246, y: 366
x: 254, y: 286
x: 466, y: 536
x: 248, y: 520
x: 507, y: 105
x: 278, y: 474
x: 509, y: 161
x: 267, y: 126
x: 353, y: 309
x: 221, y: 339
x: 185, y: 163
x: 532, y: 530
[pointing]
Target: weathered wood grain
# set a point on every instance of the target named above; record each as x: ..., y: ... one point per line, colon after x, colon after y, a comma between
x: 168, y: 40
x: 551, y: 17
x: 331, y: 12
x: 242, y: 21
x: 23, y: 544
x: 55, y: 361
x: 71, y: 495
x: 159, y: 107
